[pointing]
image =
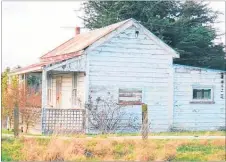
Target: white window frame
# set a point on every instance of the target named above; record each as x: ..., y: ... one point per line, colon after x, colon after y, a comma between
x: 200, y: 87
x: 74, y: 92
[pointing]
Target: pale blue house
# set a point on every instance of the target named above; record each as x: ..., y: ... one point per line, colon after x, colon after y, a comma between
x: 134, y: 66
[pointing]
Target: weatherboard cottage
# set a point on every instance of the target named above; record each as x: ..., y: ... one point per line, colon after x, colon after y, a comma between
x: 126, y: 58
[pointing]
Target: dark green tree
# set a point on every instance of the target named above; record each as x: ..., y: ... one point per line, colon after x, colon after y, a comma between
x: 185, y: 26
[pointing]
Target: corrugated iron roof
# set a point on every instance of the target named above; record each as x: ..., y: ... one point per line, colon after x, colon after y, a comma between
x: 36, y: 67
x: 31, y: 68
x: 83, y: 40
x: 72, y: 48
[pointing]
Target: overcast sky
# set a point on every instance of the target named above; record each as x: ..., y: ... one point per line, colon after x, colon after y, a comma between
x: 31, y: 29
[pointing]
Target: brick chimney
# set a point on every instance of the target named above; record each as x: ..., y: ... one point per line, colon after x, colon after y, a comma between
x: 77, y: 30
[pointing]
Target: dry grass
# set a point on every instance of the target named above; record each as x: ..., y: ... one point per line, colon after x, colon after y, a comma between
x: 219, y: 142
x: 56, y: 149
x: 219, y: 156
x: 146, y: 150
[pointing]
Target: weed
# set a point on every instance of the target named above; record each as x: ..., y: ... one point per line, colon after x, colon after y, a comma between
x: 121, y: 149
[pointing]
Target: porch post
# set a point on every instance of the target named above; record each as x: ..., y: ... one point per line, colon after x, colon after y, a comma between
x: 44, y: 96
x: 44, y: 88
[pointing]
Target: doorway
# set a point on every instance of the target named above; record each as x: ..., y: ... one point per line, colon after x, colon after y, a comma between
x: 58, y: 91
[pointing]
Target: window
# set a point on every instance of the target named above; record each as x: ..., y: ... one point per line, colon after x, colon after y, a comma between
x: 74, y: 89
x: 202, y: 94
x: 130, y: 96
x: 49, y: 88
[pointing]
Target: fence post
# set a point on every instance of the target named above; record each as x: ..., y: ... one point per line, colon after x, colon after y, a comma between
x: 84, y: 121
x: 16, y: 121
x: 145, y: 121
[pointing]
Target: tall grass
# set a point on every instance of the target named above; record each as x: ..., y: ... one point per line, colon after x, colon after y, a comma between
x: 56, y: 149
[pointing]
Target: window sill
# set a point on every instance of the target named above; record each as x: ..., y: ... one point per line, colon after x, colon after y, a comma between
x: 202, y: 102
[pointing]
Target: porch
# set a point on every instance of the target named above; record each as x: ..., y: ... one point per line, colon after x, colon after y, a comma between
x: 63, y: 97
x: 65, y: 90
x: 62, y: 87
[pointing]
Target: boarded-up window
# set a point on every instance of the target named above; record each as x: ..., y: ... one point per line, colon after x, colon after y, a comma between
x: 130, y: 96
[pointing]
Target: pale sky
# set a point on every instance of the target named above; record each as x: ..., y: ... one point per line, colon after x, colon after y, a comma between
x: 31, y: 29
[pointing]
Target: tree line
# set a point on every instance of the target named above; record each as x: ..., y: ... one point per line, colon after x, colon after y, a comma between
x: 185, y: 26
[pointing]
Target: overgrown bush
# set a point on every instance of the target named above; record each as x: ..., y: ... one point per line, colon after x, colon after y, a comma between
x: 106, y: 116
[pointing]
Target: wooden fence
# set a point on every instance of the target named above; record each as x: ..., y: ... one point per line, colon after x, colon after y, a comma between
x: 63, y: 121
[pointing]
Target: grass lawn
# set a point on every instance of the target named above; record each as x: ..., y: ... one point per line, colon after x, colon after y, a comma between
x: 36, y: 149
x: 190, y: 133
x: 5, y: 131
x: 184, y: 133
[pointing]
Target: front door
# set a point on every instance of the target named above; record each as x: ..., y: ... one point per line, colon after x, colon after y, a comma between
x: 58, y: 91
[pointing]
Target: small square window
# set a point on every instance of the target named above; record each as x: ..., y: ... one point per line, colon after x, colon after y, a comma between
x: 202, y: 95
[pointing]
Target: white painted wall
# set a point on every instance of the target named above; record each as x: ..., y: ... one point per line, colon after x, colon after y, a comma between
x: 198, y: 116
x: 129, y: 62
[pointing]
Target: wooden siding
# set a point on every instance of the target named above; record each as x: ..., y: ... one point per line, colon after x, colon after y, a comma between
x: 125, y: 61
x: 70, y: 65
x: 193, y: 116
x: 81, y: 89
